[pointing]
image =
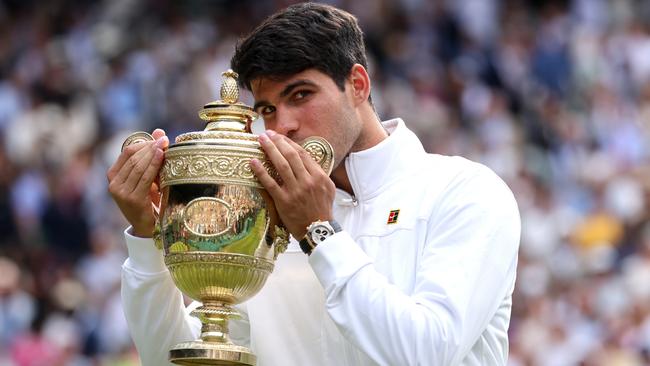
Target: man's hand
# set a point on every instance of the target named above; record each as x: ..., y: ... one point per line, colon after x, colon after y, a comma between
x: 132, y: 182
x: 306, y: 194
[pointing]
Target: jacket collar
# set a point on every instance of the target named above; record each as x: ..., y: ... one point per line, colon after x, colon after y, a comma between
x: 372, y: 170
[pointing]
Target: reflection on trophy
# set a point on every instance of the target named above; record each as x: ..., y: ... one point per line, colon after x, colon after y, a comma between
x: 217, y: 225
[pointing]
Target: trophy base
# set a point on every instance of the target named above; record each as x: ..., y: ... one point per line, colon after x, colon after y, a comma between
x: 198, y: 353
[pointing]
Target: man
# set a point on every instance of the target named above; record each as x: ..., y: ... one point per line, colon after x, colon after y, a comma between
x: 420, y: 266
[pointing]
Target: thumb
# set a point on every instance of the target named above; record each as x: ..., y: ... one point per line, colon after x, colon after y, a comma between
x: 158, y: 133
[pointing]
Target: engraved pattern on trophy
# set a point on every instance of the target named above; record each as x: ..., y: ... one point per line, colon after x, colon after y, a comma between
x: 212, y: 165
x: 229, y: 91
x: 242, y: 260
x: 321, y: 151
x: 217, y: 135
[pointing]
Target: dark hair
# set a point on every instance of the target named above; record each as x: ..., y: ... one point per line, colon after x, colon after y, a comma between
x: 300, y: 37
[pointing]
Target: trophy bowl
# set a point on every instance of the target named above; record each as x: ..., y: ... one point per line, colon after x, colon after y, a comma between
x: 216, y: 224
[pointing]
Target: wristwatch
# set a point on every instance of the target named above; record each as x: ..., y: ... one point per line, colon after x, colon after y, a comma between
x: 317, y: 232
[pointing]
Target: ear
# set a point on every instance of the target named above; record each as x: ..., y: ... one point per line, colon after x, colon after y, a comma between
x: 360, y: 82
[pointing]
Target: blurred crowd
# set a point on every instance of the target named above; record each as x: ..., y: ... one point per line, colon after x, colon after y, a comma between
x: 552, y: 95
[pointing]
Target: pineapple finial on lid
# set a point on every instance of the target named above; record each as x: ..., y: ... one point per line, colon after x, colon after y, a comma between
x: 228, y: 113
x: 229, y: 90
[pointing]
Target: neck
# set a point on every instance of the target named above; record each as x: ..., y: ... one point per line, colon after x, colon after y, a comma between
x: 372, y: 133
x: 340, y: 178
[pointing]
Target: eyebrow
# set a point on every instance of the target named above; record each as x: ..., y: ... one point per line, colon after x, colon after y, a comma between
x: 286, y: 91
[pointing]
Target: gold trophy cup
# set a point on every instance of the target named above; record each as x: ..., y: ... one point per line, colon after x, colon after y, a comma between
x: 217, y: 226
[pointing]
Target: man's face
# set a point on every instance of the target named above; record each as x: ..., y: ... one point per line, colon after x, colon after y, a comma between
x: 309, y: 104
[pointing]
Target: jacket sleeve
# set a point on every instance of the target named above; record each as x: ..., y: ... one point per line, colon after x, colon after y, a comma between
x: 154, y: 308
x: 465, y: 271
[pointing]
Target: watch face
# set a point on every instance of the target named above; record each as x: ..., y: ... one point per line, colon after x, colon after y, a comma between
x: 320, y: 232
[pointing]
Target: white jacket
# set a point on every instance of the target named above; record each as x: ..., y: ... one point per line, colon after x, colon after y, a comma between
x: 433, y: 288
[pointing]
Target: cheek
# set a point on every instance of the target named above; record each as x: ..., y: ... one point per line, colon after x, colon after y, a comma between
x: 344, y: 133
x: 315, y: 118
x: 330, y: 119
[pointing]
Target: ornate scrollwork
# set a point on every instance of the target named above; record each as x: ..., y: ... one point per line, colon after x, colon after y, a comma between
x: 281, y: 241
x: 245, y: 261
x: 227, y: 135
x: 212, y: 165
x: 321, y: 151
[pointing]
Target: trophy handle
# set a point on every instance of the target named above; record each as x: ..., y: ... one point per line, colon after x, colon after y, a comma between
x: 321, y: 151
x: 136, y: 138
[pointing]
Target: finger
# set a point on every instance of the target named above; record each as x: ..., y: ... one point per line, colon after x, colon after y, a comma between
x: 162, y: 142
x: 132, y: 159
x: 291, y: 154
x: 149, y: 170
x: 158, y: 133
x: 278, y: 160
x: 124, y: 157
x: 271, y: 186
x: 161, y: 139
x: 308, y: 161
x: 135, y: 167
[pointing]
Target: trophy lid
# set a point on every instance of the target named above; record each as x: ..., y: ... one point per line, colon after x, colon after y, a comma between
x: 224, y: 116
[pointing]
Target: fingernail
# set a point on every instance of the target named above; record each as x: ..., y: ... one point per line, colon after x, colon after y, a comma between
x: 271, y: 133
x: 264, y: 138
x: 161, y: 142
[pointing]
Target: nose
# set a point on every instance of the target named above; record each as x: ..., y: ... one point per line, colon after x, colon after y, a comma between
x: 286, y: 123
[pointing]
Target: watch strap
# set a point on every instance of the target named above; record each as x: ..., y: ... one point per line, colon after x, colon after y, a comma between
x: 307, y: 245
x: 335, y: 226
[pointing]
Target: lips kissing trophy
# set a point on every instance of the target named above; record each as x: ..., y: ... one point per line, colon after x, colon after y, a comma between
x: 217, y: 226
